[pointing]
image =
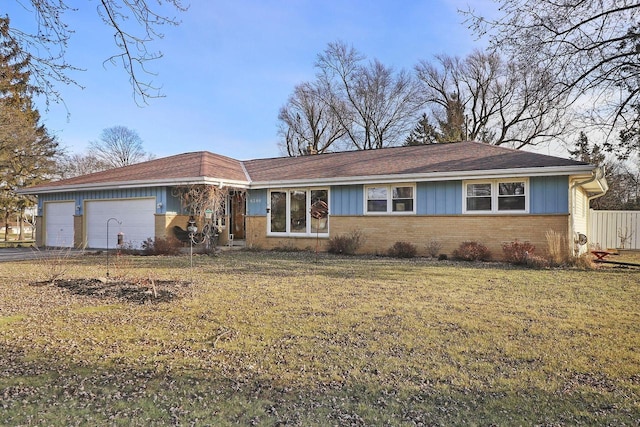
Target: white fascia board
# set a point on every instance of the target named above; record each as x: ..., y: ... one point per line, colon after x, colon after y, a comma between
x: 436, y: 176
x: 218, y: 182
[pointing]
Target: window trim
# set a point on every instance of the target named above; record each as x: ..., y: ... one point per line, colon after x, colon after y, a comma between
x: 495, y: 188
x: 390, y: 199
x: 308, y: 228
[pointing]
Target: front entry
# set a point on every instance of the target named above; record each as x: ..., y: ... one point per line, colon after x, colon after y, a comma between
x: 237, y: 212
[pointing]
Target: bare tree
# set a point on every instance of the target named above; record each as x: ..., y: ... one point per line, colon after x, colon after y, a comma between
x: 118, y: 146
x: 199, y: 201
x: 592, y: 47
x: 136, y: 24
x: 307, y: 124
x: 482, y: 97
x: 375, y: 106
x: 76, y: 164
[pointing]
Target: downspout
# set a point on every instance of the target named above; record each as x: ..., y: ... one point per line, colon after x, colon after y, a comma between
x: 596, y: 174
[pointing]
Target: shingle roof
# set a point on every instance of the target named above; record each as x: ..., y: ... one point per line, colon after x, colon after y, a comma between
x: 414, y: 160
x: 420, y: 159
x: 186, y: 166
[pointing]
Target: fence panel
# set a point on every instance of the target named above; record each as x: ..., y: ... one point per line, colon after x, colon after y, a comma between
x: 615, y: 229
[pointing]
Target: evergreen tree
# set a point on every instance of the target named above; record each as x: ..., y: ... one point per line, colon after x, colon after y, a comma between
x: 27, y: 151
x: 423, y: 133
x: 585, y: 152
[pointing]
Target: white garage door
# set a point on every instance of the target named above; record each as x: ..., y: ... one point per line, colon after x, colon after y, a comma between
x: 58, y: 226
x: 133, y: 217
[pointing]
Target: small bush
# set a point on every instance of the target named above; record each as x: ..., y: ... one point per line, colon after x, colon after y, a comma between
x: 443, y: 257
x: 535, y: 261
x: 403, y: 250
x: 583, y: 262
x: 433, y: 248
x: 161, y: 246
x: 346, y: 244
x: 518, y: 252
x: 472, y: 251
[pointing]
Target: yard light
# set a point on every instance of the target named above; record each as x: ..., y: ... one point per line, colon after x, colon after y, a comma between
x: 120, y: 235
x: 192, y: 229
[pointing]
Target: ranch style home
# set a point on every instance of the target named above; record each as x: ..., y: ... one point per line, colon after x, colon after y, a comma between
x: 449, y: 193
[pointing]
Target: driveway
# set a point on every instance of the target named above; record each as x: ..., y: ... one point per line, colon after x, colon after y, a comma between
x: 25, y: 254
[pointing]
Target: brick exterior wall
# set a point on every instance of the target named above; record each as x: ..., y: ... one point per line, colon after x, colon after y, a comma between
x: 78, y: 232
x: 381, y: 232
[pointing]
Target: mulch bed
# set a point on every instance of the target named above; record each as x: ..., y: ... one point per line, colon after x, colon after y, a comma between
x: 142, y: 292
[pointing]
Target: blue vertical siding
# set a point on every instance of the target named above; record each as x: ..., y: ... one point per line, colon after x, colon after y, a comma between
x: 439, y: 198
x: 257, y: 202
x: 346, y: 200
x: 549, y: 195
x: 160, y: 193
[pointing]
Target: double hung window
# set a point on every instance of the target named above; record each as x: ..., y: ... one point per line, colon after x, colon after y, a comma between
x: 496, y: 196
x: 390, y: 199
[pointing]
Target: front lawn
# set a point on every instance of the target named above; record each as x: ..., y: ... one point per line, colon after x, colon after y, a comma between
x: 282, y: 338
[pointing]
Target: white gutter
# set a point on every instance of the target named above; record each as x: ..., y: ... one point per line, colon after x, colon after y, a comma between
x: 597, y: 174
x: 136, y: 184
x: 435, y: 176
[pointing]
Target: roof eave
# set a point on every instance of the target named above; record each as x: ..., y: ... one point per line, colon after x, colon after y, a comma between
x: 220, y: 182
x: 433, y: 176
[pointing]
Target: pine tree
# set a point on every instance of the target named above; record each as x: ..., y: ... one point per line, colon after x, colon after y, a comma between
x: 422, y: 134
x: 27, y: 151
x: 584, y: 152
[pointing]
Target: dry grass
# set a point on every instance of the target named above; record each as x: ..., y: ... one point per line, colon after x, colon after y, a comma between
x: 267, y: 338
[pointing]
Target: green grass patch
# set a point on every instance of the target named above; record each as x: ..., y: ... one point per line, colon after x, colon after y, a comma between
x: 268, y: 338
x: 8, y: 320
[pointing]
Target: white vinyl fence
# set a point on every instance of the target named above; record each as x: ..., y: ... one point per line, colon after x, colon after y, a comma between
x: 615, y: 229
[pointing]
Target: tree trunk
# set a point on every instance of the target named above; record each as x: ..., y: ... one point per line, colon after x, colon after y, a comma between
x: 21, y: 225
x: 6, y: 226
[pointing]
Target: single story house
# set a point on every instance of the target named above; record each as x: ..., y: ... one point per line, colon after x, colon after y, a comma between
x: 448, y: 193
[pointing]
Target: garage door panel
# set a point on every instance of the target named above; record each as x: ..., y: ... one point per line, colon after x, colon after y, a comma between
x: 135, y: 218
x: 58, y: 217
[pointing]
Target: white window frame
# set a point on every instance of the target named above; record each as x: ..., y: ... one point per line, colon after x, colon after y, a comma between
x: 389, y: 188
x: 308, y: 227
x: 495, y: 186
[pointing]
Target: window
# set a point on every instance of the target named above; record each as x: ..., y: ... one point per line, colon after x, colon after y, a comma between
x: 496, y: 196
x: 298, y: 212
x: 511, y: 196
x: 390, y: 199
x: 479, y: 197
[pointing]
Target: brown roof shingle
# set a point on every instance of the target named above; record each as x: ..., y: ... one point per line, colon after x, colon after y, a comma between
x: 422, y: 159
x: 194, y: 165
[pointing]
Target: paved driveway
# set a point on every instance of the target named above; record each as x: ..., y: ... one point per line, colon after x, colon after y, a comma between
x: 25, y: 254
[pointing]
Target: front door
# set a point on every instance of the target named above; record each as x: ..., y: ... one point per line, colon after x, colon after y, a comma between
x: 237, y: 214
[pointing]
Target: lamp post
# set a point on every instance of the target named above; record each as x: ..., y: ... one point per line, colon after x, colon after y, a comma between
x: 192, y: 229
x: 108, y: 221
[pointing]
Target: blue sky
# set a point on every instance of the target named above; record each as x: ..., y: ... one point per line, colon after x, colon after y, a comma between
x: 230, y: 66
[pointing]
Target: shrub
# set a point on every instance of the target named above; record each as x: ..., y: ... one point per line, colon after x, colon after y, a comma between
x: 346, y: 244
x: 518, y: 252
x: 583, y: 262
x: 433, y: 248
x: 556, y: 247
x: 472, y: 251
x: 443, y: 257
x: 403, y: 250
x: 535, y: 261
x: 161, y: 246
